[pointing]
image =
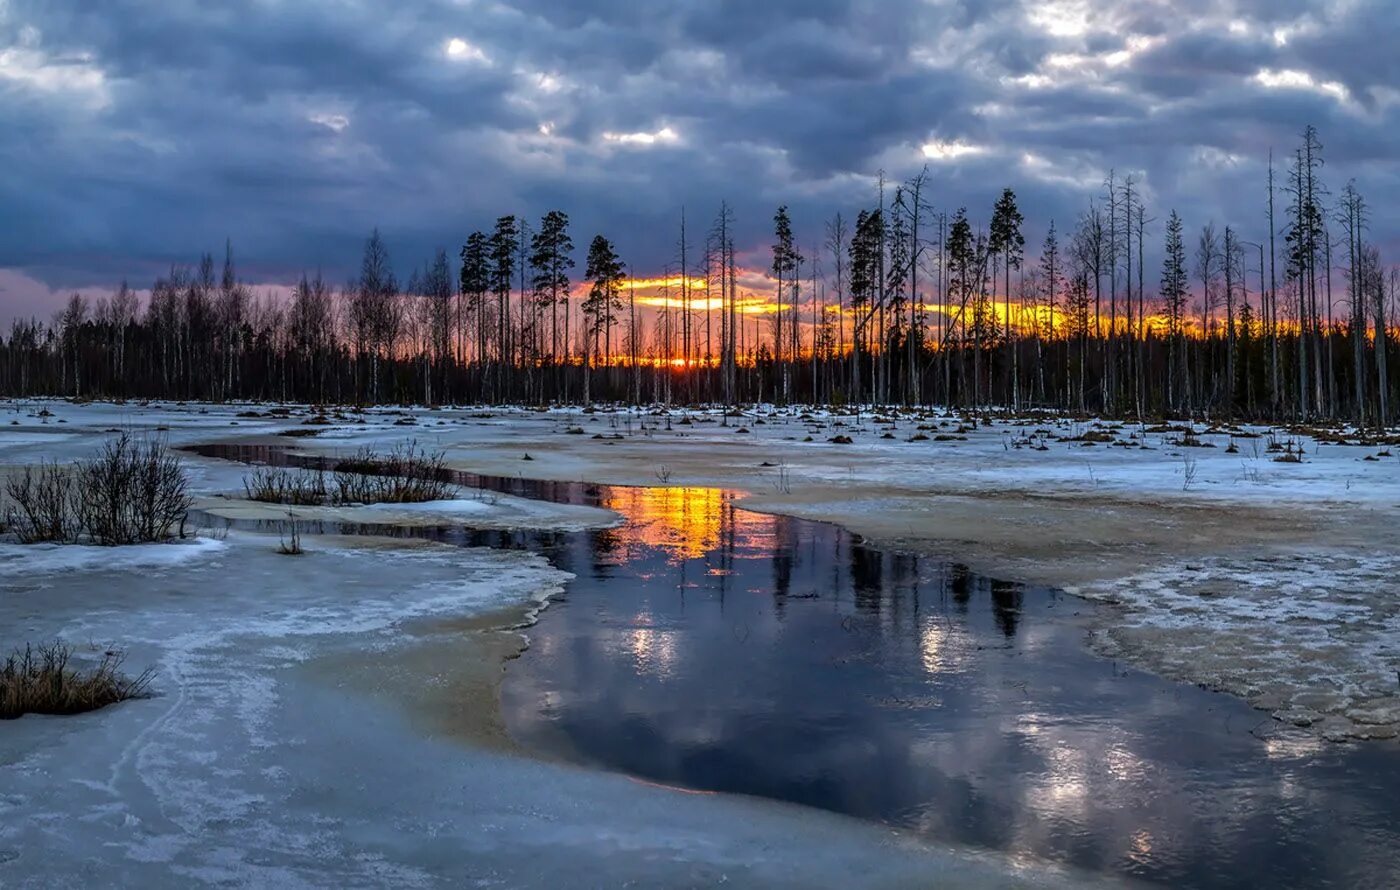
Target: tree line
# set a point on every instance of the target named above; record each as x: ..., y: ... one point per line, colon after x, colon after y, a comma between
x: 906, y: 304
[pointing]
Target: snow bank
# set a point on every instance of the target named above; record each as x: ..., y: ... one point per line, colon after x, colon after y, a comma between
x: 486, y: 511
x: 45, y: 559
x: 457, y: 507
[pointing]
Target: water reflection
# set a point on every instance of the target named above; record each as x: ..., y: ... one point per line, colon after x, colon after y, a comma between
x: 1006, y: 604
x: 685, y: 523
x: 779, y: 657
x: 709, y: 647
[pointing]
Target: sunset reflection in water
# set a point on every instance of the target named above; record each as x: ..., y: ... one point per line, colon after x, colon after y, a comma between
x: 689, y: 523
x: 708, y: 647
x: 705, y: 646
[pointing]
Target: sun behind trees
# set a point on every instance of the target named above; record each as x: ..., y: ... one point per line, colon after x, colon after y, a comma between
x: 911, y: 305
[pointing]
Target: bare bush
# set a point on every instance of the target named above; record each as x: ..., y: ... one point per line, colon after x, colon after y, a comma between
x: 289, y: 543
x: 783, y: 484
x: 1189, y: 468
x: 132, y: 492
x: 277, y: 485
x: 408, y: 474
x: 41, y: 504
x: 41, y: 681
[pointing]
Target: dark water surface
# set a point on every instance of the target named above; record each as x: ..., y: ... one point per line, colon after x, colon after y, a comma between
x: 718, y: 649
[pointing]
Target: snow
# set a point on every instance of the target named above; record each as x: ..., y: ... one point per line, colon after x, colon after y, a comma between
x: 999, y: 458
x: 45, y: 559
x: 282, y: 748
x: 490, y: 510
x: 74, y: 431
x: 1300, y: 615
x: 464, y: 506
x: 485, y: 510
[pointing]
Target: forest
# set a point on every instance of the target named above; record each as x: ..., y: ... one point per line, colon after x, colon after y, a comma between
x: 905, y: 304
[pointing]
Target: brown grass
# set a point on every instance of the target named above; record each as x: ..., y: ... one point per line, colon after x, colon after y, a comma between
x: 42, y: 681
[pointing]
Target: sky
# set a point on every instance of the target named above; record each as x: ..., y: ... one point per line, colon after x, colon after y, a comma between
x: 139, y: 133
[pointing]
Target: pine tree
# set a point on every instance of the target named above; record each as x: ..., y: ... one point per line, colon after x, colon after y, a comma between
x: 605, y: 271
x: 550, y: 258
x: 1173, y: 293
x: 501, y: 249
x: 475, y: 283
x: 784, y: 270
x: 864, y: 255
x: 1007, y: 242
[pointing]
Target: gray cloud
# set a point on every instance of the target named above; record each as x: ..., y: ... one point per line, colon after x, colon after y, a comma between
x: 139, y: 134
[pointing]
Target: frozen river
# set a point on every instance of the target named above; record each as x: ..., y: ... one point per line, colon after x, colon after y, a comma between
x: 705, y: 646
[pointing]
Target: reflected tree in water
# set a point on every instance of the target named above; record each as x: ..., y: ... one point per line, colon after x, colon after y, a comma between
x: 1006, y: 606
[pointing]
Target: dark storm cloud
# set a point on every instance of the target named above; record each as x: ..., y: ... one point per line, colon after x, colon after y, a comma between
x: 137, y: 134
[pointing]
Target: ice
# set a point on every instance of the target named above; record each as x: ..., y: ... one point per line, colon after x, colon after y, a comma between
x: 1124, y: 517
x: 482, y: 511
x: 1304, y: 636
x: 45, y: 559
x: 463, y: 506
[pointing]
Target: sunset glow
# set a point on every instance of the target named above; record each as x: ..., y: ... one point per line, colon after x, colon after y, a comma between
x: 659, y: 297
x: 687, y: 522
x: 960, y: 440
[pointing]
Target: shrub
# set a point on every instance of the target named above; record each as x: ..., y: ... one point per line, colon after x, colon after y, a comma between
x: 276, y: 485
x: 290, y: 539
x: 42, y: 504
x: 406, y: 475
x: 40, y: 681
x: 132, y: 492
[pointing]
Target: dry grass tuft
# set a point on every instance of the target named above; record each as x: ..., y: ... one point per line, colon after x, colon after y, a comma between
x: 42, y: 681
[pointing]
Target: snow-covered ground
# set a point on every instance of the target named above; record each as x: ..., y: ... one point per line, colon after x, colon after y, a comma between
x: 481, y: 510
x: 1033, y: 455
x: 1271, y: 579
x: 287, y: 743
x: 57, y: 430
